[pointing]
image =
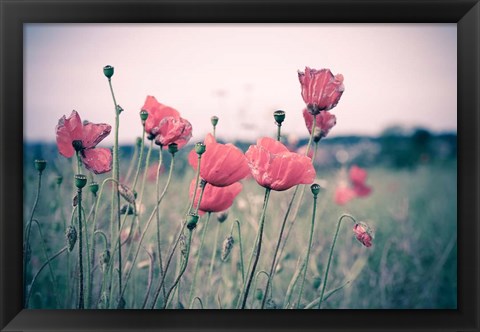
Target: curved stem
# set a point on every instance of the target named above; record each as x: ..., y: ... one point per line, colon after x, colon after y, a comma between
x: 199, y: 301
x: 330, y: 256
x: 309, y: 248
x: 40, y: 270
x: 27, y: 237
x: 194, y: 281
x: 255, y: 284
x: 256, y: 252
x: 150, y: 277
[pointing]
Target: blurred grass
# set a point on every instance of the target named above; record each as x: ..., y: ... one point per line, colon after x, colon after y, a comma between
x: 412, y: 263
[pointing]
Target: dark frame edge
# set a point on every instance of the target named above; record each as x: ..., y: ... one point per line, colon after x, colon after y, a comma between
x: 13, y: 318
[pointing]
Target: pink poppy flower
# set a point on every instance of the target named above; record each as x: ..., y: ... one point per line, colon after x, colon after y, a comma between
x: 173, y: 130
x: 215, y: 199
x: 156, y: 113
x: 321, y: 90
x: 221, y: 164
x: 273, y: 166
x: 73, y: 135
x: 324, y: 123
x: 363, y: 234
x: 344, y: 194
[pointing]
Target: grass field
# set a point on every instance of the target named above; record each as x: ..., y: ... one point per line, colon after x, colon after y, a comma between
x: 412, y: 263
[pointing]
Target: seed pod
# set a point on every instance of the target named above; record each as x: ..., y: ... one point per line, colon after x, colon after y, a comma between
x: 127, y: 193
x: 214, y: 120
x: 71, y: 235
x: 279, y: 116
x: 105, y: 259
x: 108, y: 71
x: 40, y: 164
x: 227, y: 247
x: 222, y: 216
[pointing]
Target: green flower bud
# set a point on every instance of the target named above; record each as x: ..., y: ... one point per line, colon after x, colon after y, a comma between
x: 173, y: 148
x: 119, y: 109
x: 40, y: 164
x: 192, y: 220
x: 138, y: 142
x: 222, y: 216
x: 227, y: 247
x: 93, y: 187
x: 317, y: 281
x: 143, y: 115
x: 59, y: 179
x: 214, y: 120
x: 258, y: 294
x: 80, y: 181
x: 108, y: 71
x: 279, y: 116
x: 315, y: 189
x: 200, y: 148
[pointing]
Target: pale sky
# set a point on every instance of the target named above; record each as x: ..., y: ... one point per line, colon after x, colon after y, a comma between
x: 393, y: 74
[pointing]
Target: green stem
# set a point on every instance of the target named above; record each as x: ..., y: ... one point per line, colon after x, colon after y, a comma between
x: 197, y: 264
x: 256, y: 252
x: 87, y: 249
x: 157, y: 205
x: 199, y: 301
x: 132, y: 162
x: 116, y: 176
x: 40, y: 270
x: 279, y: 126
x: 330, y: 255
x: 183, y: 268
x: 241, y: 250
x: 27, y: 238
x: 214, y: 254
x: 145, y: 171
x: 309, y: 248
x: 157, y: 189
x: 197, y: 179
x: 80, y: 249
x: 150, y: 278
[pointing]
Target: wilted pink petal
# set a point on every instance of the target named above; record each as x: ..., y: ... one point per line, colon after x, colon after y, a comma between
x: 68, y: 130
x: 363, y: 234
x: 98, y: 160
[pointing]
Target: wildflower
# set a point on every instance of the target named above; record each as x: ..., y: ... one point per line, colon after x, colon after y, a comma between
x: 363, y: 233
x: 358, y: 176
x: 344, y: 194
x: 165, y: 125
x: 74, y: 136
x: 325, y: 121
x: 273, y: 166
x: 173, y: 130
x: 221, y: 164
x: 321, y: 90
x: 215, y: 199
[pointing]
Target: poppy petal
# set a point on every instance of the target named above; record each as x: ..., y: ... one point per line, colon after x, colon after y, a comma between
x: 98, y: 160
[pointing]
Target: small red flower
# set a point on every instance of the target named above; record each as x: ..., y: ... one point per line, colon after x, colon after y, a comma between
x: 344, y: 194
x: 324, y: 123
x: 363, y: 234
x: 73, y: 135
x: 321, y: 90
x: 273, y: 166
x: 221, y: 164
x: 173, y: 130
x: 215, y: 199
x: 156, y: 113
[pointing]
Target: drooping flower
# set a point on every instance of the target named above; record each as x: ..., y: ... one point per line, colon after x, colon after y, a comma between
x: 321, y: 90
x: 363, y: 233
x: 165, y: 125
x: 325, y: 121
x: 222, y: 164
x: 273, y: 166
x: 73, y: 135
x: 215, y: 199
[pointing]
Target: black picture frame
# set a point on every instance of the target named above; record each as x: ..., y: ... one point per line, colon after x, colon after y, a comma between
x: 14, y: 13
